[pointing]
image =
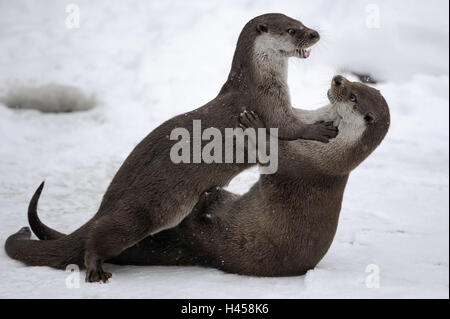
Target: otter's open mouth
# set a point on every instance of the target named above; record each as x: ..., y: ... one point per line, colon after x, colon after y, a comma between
x: 303, y: 53
x: 330, y: 96
x: 333, y: 96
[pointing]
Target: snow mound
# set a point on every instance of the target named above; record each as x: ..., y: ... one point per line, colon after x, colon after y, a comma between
x: 50, y: 98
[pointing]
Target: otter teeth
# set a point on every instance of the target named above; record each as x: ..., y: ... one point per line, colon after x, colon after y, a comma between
x: 304, y: 53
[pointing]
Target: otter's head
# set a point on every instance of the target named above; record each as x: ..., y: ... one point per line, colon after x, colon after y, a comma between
x: 363, y: 114
x: 279, y: 35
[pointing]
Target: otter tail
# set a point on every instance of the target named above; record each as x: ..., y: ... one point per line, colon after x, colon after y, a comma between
x: 39, y: 229
x: 54, y: 253
x: 57, y: 251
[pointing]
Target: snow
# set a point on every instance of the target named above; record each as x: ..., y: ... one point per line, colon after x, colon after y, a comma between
x: 146, y: 61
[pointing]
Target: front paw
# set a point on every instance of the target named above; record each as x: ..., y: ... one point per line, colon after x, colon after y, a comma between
x: 249, y: 119
x: 320, y: 131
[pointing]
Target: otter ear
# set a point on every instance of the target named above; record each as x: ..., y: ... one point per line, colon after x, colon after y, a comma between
x: 262, y: 27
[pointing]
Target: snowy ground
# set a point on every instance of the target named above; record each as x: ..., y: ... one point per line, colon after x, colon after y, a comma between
x: 146, y: 61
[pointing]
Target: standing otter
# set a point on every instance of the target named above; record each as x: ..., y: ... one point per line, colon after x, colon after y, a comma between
x: 286, y: 222
x: 150, y: 193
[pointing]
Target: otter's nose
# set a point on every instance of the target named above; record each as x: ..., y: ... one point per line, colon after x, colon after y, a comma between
x: 337, y: 80
x: 314, y: 35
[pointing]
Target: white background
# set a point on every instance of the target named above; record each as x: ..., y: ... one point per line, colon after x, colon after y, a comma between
x: 146, y: 61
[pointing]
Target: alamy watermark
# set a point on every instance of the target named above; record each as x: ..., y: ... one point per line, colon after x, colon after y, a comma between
x: 373, y: 19
x: 73, y: 279
x: 73, y: 16
x: 228, y: 149
x: 373, y: 278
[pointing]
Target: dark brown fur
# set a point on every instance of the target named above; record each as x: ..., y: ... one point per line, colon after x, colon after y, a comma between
x: 149, y: 193
x: 286, y: 222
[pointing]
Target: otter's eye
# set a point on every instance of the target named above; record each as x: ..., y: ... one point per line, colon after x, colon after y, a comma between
x: 291, y: 32
x: 368, y: 118
x: 352, y: 97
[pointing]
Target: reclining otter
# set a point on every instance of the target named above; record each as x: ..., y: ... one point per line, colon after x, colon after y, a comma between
x: 286, y: 222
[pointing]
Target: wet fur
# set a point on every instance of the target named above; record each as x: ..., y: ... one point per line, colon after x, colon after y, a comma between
x: 286, y: 222
x: 149, y: 193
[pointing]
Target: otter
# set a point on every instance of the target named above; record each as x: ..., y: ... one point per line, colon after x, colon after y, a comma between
x: 150, y: 193
x: 285, y: 224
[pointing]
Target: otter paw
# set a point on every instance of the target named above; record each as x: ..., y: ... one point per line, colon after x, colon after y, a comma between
x: 25, y: 232
x: 249, y: 119
x: 97, y: 275
x: 210, y: 194
x: 205, y: 199
x: 320, y: 131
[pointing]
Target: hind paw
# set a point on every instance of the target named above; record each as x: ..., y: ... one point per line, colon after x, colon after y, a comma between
x: 97, y: 275
x: 25, y: 231
x: 210, y: 194
x: 205, y: 199
x: 23, y: 234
